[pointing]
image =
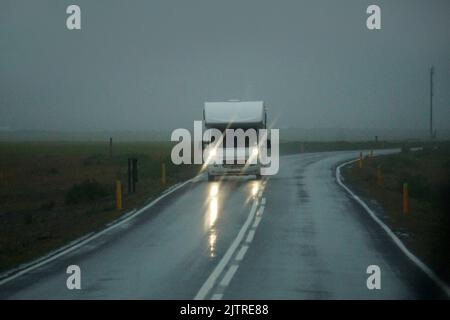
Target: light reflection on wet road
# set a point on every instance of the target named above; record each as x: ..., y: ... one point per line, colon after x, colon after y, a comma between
x: 313, y: 241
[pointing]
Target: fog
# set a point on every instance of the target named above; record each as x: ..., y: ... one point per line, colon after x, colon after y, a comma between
x: 150, y: 65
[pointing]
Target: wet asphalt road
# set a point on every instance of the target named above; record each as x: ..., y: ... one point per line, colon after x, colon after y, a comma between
x: 296, y: 235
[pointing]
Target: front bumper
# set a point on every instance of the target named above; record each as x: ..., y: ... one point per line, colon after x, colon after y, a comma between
x: 234, y: 170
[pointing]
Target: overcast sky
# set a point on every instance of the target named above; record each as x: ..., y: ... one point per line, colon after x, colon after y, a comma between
x: 150, y: 65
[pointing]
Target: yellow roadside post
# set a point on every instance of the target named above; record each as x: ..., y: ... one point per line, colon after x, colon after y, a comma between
x: 405, y: 198
x: 118, y: 195
x: 163, y: 174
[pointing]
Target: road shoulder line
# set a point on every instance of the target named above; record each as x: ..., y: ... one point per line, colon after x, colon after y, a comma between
x: 441, y: 284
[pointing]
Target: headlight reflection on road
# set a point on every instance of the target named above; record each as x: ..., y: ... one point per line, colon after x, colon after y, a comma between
x: 212, y: 243
x: 256, y: 185
x: 214, y: 190
x: 255, y: 188
x: 211, y: 217
x: 213, y: 211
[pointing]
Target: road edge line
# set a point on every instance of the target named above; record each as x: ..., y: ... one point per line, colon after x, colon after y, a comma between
x: 78, y: 243
x: 422, y: 266
x: 211, y: 280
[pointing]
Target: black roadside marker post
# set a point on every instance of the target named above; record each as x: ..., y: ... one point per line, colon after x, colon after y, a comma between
x: 132, y: 174
x: 135, y: 174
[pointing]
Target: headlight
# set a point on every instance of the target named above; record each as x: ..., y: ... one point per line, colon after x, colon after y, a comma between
x: 255, y: 152
x: 211, y: 155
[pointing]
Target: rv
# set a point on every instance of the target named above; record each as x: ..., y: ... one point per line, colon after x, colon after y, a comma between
x: 234, y: 154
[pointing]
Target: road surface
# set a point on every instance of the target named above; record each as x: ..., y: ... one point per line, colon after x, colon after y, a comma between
x: 296, y: 235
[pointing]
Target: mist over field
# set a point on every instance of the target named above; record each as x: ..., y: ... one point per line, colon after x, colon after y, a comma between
x: 149, y: 66
x: 286, y: 134
x: 110, y: 189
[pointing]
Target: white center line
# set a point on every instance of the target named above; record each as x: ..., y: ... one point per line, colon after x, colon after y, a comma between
x: 209, y: 285
x: 229, y: 275
x: 217, y: 296
x: 257, y: 221
x: 210, y: 282
x: 241, y: 253
x: 250, y: 236
x: 260, y: 211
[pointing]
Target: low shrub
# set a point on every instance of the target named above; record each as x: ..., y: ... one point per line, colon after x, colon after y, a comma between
x: 87, y: 191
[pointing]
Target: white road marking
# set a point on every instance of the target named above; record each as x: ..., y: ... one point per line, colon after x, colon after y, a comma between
x: 217, y: 296
x: 251, y: 235
x: 241, y: 253
x: 257, y: 221
x: 391, y: 234
x: 260, y: 211
x: 229, y: 275
x: 86, y: 239
x: 263, y: 201
x: 210, y: 282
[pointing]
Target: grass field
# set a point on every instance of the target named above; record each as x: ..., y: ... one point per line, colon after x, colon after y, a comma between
x: 38, y: 210
x: 293, y: 147
x: 426, y: 227
x: 54, y: 192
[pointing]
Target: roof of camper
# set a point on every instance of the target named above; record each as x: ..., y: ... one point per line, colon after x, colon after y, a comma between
x: 251, y: 112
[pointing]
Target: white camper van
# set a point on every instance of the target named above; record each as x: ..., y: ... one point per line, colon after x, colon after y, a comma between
x: 234, y: 115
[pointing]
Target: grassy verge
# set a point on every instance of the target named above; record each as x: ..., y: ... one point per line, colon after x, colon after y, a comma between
x: 52, y: 193
x: 293, y: 147
x: 426, y: 227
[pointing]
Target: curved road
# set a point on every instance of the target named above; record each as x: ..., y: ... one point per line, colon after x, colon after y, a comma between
x: 297, y: 235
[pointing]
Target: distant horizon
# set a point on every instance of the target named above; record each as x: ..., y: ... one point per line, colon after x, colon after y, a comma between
x: 286, y: 134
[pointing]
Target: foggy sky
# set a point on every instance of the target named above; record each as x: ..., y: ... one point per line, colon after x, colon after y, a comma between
x: 150, y: 65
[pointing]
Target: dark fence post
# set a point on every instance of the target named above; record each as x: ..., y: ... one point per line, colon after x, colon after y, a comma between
x: 129, y: 175
x: 110, y: 147
x: 135, y: 174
